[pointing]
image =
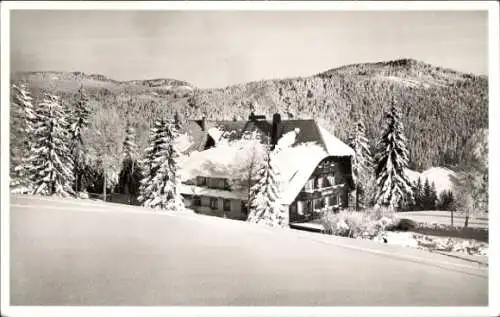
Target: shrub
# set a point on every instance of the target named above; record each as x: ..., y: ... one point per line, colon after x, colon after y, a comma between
x: 405, y: 225
x: 354, y: 224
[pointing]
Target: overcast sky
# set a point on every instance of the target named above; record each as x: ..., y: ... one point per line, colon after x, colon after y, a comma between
x: 216, y: 49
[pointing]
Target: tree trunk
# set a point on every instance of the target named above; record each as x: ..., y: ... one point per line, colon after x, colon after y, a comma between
x: 451, y: 217
x: 466, y: 224
x: 104, y: 188
x: 79, y: 181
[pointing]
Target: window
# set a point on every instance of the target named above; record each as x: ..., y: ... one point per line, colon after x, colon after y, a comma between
x: 309, y: 206
x: 196, y: 201
x: 220, y: 183
x: 319, y: 182
x: 329, y: 200
x: 213, y: 203
x: 330, y: 179
x: 202, y: 181
x: 300, y: 208
x: 227, y: 204
x: 318, y: 203
x: 212, y: 183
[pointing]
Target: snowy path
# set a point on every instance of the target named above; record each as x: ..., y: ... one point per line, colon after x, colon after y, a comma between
x: 69, y: 253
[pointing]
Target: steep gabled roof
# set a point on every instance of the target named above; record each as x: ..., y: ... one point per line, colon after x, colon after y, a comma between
x: 333, y: 145
x: 310, y: 131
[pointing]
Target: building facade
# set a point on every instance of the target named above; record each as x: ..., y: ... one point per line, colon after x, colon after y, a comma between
x: 316, y: 177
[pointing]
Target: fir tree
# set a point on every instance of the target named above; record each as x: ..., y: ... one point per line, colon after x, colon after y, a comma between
x: 427, y: 195
x: 159, y: 188
x: 265, y: 203
x: 418, y: 194
x: 23, y: 119
x: 130, y: 174
x: 78, y: 121
x: 392, y: 159
x: 81, y: 115
x: 446, y: 200
x: 433, y: 197
x: 409, y: 201
x: 51, y: 167
x: 362, y: 161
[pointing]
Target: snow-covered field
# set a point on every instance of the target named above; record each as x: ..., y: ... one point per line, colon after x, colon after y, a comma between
x: 447, y: 245
x: 440, y: 217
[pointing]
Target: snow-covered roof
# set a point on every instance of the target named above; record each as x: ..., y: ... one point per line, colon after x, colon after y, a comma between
x: 303, y: 145
x: 335, y: 146
x: 295, y: 165
x: 215, y: 133
x: 183, y: 142
x: 221, y: 161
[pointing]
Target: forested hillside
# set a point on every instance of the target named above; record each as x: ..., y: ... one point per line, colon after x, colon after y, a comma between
x: 441, y: 108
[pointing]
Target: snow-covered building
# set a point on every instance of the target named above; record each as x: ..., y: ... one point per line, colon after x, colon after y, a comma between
x: 222, y: 158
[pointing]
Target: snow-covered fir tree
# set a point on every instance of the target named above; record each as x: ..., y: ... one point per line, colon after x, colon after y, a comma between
x: 446, y: 200
x: 392, y: 158
x: 362, y: 163
x: 51, y: 167
x: 129, y: 175
x: 430, y: 195
x: 23, y: 119
x: 78, y: 120
x: 265, y: 204
x: 159, y: 187
x: 418, y: 195
x: 80, y: 115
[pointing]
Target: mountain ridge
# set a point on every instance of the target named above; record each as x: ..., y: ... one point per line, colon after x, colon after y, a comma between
x: 402, y: 62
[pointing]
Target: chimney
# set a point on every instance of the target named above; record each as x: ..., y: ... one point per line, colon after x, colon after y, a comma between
x: 276, y: 129
x: 203, y: 124
x: 254, y: 117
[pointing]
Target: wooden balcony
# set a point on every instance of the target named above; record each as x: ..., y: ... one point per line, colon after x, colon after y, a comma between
x: 319, y: 192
